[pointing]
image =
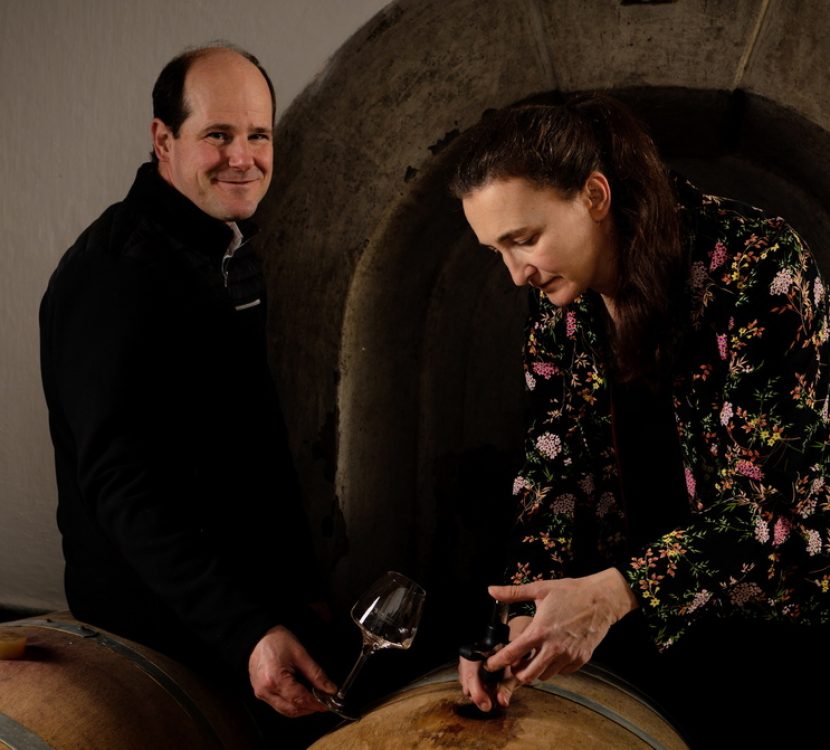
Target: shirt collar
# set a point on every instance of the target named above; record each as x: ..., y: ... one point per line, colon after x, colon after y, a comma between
x: 181, y: 218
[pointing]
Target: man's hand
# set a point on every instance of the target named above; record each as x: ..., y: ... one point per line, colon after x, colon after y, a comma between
x: 572, y: 616
x: 274, y: 666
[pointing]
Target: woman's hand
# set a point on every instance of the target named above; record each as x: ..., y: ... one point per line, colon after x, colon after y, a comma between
x: 572, y: 616
x: 483, y: 692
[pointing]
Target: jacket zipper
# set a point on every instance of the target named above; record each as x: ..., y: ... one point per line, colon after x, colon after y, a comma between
x: 226, y: 261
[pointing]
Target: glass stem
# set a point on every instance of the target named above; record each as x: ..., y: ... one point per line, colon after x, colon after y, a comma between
x: 365, y: 653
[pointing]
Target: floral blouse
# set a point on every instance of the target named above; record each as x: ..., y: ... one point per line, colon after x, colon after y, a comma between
x: 751, y: 412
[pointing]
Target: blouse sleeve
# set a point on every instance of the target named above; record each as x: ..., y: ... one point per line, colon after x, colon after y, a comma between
x: 757, y: 546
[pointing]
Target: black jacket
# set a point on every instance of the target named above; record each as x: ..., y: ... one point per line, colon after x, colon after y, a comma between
x: 179, y: 509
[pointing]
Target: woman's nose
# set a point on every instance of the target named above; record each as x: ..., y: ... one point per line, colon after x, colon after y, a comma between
x: 520, y: 271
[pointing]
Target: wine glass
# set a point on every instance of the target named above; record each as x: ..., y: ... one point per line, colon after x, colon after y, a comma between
x: 387, y: 614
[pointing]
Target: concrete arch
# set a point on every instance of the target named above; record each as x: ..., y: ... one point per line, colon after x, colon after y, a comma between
x: 396, y: 346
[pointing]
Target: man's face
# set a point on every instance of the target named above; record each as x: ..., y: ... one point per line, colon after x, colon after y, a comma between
x: 222, y: 157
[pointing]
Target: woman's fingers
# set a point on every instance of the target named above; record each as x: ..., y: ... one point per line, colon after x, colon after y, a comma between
x: 528, y: 662
x: 512, y: 654
x: 469, y: 675
x: 525, y: 592
x: 506, y: 688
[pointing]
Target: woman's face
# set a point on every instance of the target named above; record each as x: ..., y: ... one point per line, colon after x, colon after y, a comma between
x: 562, y: 246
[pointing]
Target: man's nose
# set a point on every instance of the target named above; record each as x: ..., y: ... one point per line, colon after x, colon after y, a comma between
x: 239, y: 153
x: 520, y: 271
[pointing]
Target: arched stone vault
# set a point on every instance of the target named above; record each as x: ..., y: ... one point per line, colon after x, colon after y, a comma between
x: 395, y: 340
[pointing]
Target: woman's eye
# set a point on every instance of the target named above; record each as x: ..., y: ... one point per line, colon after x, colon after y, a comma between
x: 525, y: 241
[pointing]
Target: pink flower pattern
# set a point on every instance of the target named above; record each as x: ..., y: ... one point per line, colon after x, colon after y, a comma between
x: 570, y: 324
x: 722, y: 345
x: 718, y: 256
x: 691, y: 485
x: 726, y: 413
x: 749, y: 470
x: 781, y: 531
x: 545, y: 369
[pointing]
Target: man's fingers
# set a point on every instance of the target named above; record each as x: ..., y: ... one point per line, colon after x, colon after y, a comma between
x: 307, y: 668
x: 279, y: 669
x: 314, y: 673
x: 284, y: 707
x: 289, y: 698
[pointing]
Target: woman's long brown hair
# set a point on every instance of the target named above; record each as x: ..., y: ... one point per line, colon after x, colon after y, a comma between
x: 559, y: 147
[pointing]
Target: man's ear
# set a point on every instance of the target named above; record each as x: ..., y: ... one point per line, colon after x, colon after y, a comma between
x: 162, y: 138
x: 597, y: 192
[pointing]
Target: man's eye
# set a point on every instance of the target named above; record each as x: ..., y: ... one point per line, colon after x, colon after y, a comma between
x: 260, y: 137
x: 217, y: 136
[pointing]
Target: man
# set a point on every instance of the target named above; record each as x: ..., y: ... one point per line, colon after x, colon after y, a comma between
x: 178, y: 506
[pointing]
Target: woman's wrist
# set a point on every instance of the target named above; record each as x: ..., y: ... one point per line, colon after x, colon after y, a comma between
x: 622, y: 599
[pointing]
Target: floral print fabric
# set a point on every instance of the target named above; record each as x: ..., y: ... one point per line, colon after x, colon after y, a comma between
x: 751, y: 410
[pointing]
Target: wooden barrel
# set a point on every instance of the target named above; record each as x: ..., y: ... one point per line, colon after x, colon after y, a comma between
x: 589, y: 710
x: 81, y: 688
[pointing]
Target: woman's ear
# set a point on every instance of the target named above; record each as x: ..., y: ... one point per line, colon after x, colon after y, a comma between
x: 597, y: 192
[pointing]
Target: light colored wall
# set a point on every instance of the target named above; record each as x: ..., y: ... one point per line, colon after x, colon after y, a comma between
x: 75, y: 82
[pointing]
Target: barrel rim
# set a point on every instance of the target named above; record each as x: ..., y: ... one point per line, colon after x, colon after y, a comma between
x: 438, y: 675
x: 17, y: 736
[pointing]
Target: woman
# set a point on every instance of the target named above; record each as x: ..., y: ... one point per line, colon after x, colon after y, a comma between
x: 676, y: 359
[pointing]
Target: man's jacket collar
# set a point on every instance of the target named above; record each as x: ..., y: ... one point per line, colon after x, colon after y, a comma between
x: 181, y: 218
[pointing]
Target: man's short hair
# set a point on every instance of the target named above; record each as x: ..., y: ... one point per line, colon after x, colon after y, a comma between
x: 169, y: 104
